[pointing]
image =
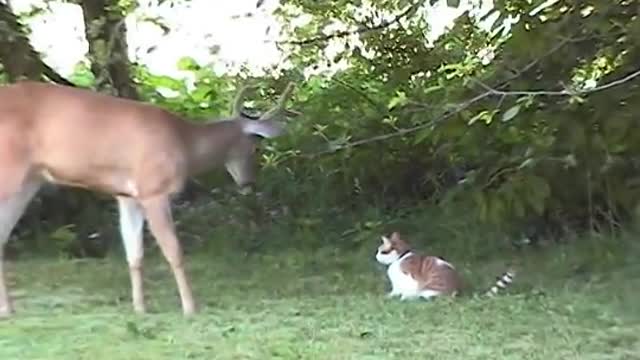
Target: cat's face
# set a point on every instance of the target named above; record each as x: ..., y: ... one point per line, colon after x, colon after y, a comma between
x: 391, y: 249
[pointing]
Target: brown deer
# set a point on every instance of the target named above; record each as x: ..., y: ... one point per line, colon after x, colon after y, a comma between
x: 138, y: 153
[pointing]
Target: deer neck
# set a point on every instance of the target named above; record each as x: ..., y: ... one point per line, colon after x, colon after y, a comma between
x: 208, y: 144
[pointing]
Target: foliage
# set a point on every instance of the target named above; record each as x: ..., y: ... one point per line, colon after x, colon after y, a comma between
x: 567, y: 156
x: 498, y: 116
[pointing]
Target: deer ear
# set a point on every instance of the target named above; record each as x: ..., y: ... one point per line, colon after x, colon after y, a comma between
x: 263, y: 128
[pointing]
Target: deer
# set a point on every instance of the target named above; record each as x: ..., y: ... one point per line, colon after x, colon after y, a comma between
x: 136, y: 152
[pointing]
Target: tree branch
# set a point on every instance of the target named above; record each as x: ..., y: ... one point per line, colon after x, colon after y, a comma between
x: 564, y: 92
x: 464, y: 105
x: 53, y: 75
x: 404, y: 131
x: 362, y: 94
x: 360, y: 30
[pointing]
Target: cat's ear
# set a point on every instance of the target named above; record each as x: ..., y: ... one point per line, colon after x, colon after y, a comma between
x: 385, y: 240
x: 395, y: 236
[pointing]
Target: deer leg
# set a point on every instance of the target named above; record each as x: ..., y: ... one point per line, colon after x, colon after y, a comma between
x: 158, y: 213
x: 131, y: 219
x: 12, y: 206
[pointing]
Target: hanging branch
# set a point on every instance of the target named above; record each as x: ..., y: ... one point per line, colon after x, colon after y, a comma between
x: 54, y: 76
x: 489, y: 92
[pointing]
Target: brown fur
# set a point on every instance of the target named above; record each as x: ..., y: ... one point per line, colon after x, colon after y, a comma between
x: 138, y: 141
x: 430, y: 271
x: 136, y: 152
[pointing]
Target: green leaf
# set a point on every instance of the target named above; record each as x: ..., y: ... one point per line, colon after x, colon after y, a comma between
x: 485, y: 115
x: 527, y: 163
x: 511, y: 113
x: 431, y: 89
x: 495, y: 208
x: 187, y: 63
x: 538, y: 190
x: 64, y: 234
x: 158, y: 21
x: 399, y: 99
x: 481, y: 203
x: 422, y: 135
x: 453, y: 3
x: 214, y: 49
x: 518, y: 207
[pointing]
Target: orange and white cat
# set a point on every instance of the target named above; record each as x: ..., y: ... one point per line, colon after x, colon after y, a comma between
x: 414, y: 275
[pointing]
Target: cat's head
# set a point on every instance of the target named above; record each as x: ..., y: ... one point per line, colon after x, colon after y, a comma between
x: 391, y: 248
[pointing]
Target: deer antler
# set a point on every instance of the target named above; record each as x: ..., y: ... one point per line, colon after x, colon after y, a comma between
x: 237, y: 107
x: 280, y: 106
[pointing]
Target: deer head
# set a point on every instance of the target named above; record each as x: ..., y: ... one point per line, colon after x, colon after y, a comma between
x: 240, y: 161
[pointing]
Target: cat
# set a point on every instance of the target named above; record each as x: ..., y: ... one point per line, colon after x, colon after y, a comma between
x: 414, y: 275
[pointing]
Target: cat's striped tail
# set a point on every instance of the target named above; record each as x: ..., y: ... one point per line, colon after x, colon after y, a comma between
x: 502, y: 282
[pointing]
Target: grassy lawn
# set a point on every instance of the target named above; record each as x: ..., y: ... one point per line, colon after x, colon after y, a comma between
x: 573, y: 302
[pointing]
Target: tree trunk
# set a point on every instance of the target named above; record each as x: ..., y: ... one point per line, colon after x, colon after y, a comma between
x: 19, y: 59
x: 105, y: 31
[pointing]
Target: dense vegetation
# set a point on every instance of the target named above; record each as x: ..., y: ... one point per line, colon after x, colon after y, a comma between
x: 520, y: 117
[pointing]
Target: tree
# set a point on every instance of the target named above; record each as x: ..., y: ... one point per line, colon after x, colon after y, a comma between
x: 18, y: 58
x: 105, y: 31
x: 531, y: 136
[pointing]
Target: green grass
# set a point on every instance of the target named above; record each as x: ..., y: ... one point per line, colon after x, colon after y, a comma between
x: 571, y: 302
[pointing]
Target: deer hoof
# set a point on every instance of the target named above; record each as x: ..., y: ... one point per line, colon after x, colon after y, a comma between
x: 189, y: 310
x: 139, y: 309
x: 6, y: 312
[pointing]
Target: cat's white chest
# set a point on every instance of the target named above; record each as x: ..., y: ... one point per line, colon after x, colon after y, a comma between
x: 402, y: 284
x: 405, y: 286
